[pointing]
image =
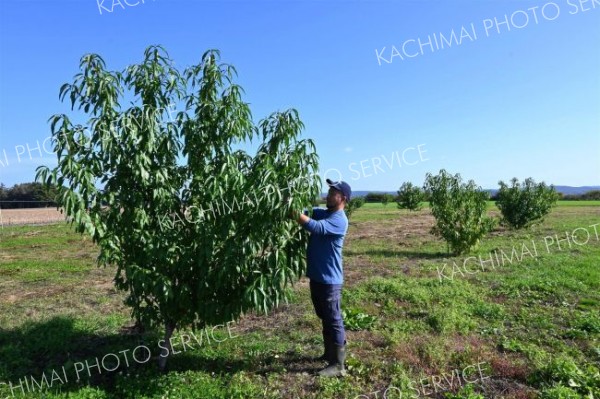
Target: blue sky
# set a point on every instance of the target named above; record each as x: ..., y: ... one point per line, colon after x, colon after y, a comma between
x: 516, y: 93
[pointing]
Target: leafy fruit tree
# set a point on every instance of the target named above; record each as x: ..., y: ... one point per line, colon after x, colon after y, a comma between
x: 459, y: 211
x: 410, y: 197
x: 142, y: 184
x: 353, y: 204
x: 524, y: 204
x: 386, y: 199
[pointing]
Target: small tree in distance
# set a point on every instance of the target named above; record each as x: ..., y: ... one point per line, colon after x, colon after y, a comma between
x: 459, y: 211
x: 524, y: 204
x: 410, y: 197
x: 353, y: 204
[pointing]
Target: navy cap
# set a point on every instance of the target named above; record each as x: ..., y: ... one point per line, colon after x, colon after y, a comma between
x: 341, y: 186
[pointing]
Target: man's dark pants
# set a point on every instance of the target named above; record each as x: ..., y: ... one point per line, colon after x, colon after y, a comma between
x: 327, y: 300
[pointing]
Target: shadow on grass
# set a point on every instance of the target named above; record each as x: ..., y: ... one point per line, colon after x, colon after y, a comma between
x: 60, y: 351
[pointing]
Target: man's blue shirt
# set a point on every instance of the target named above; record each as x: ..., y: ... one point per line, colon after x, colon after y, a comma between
x: 324, y: 253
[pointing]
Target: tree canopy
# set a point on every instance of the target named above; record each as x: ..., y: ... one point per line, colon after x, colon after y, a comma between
x: 144, y: 186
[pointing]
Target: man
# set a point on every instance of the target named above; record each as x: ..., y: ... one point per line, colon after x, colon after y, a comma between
x: 324, y: 257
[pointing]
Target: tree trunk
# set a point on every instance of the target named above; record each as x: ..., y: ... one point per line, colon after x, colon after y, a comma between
x: 166, y: 351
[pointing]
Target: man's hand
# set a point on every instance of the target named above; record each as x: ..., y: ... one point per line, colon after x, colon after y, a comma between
x: 299, y: 217
x: 302, y: 219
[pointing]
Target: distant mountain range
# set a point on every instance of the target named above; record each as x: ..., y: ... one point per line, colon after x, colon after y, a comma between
x: 575, y: 190
x: 567, y: 190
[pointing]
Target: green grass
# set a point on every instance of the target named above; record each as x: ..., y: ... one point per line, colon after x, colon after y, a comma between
x: 579, y: 203
x: 535, y: 322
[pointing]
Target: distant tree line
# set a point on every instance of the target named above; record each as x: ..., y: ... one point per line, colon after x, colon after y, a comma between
x: 385, y: 198
x: 22, y: 196
x: 377, y: 197
x: 17, y: 195
x: 588, y: 196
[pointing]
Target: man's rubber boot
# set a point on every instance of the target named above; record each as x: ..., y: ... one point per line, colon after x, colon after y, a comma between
x: 327, y: 356
x: 336, y: 367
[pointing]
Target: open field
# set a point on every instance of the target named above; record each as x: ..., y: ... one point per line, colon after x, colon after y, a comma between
x: 11, y: 217
x: 24, y: 216
x: 525, y: 328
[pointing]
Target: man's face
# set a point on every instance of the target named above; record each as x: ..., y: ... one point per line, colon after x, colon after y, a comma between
x: 335, y: 199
